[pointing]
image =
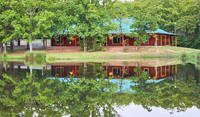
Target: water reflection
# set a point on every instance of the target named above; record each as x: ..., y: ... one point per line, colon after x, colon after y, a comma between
x: 114, y: 70
x: 96, y: 89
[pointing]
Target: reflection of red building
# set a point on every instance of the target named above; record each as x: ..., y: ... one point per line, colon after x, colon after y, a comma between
x: 118, y: 71
x: 154, y: 72
x: 65, y: 70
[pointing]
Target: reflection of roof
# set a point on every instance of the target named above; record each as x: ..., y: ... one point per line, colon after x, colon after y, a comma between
x: 126, y: 24
x: 123, y: 84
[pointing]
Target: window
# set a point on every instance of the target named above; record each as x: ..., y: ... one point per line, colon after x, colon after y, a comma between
x: 146, y: 70
x: 116, y: 40
x: 59, y: 41
x: 116, y: 71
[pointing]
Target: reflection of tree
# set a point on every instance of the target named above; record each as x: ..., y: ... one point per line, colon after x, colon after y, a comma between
x: 91, y: 96
x: 51, y: 97
x: 178, y: 94
x: 93, y: 70
x: 140, y: 77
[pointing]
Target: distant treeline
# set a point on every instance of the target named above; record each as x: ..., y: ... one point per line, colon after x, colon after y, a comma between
x: 178, y: 16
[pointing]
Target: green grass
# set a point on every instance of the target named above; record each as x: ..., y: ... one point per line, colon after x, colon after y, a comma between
x: 158, y: 52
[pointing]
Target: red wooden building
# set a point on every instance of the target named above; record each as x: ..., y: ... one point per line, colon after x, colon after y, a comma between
x: 159, y: 38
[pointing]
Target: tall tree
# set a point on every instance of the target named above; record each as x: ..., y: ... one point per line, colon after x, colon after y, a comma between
x: 119, y: 12
x: 91, y: 21
x: 36, y: 19
x: 10, y: 27
x: 145, y: 23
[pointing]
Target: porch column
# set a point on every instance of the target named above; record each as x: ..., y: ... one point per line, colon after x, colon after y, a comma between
x: 156, y: 40
x: 172, y: 69
x: 75, y: 41
x: 11, y: 45
x: 176, y: 40
x: 165, y: 39
x: 173, y: 41
x: 169, y: 40
x: 161, y: 40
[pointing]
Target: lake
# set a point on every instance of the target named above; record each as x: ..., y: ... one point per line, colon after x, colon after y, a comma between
x: 103, y: 89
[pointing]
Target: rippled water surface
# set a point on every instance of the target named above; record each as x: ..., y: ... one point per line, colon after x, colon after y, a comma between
x: 112, y: 89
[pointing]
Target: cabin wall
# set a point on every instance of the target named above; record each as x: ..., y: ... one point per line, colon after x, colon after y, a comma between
x: 162, y: 40
x: 130, y: 41
x: 64, y: 41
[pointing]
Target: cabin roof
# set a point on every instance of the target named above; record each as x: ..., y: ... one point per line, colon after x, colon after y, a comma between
x: 126, y: 24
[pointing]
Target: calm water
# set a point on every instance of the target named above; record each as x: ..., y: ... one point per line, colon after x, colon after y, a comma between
x: 113, y: 89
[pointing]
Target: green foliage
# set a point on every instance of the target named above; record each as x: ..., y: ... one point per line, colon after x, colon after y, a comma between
x: 145, y: 20
x: 53, y: 97
x: 171, y: 94
x: 176, y: 16
x: 10, y: 27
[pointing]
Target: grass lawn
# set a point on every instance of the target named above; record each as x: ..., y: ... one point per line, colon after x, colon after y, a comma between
x: 143, y: 54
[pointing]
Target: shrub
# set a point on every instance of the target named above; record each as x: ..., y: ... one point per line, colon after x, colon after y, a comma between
x: 51, y: 59
x: 183, y: 57
x: 35, y: 57
x: 4, y: 55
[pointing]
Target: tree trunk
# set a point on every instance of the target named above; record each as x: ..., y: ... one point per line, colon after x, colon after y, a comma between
x: 18, y: 42
x: 85, y: 46
x: 121, y: 31
x: 137, y: 48
x: 11, y: 46
x: 4, y: 48
x: 27, y: 46
x: 30, y: 45
x: 1, y: 69
x: 1, y: 47
x: 44, y: 44
x: 85, y: 69
x: 31, y: 76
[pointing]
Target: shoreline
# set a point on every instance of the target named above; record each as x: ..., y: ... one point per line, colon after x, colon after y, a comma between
x: 173, y: 53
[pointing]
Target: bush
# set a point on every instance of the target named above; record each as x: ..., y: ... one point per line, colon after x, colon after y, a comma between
x: 51, y: 59
x: 183, y: 57
x: 35, y: 57
x: 4, y: 55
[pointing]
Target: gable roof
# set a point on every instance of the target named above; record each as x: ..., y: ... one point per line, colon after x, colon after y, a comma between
x: 126, y: 24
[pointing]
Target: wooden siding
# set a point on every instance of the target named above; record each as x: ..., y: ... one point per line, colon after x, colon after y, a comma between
x: 162, y: 40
